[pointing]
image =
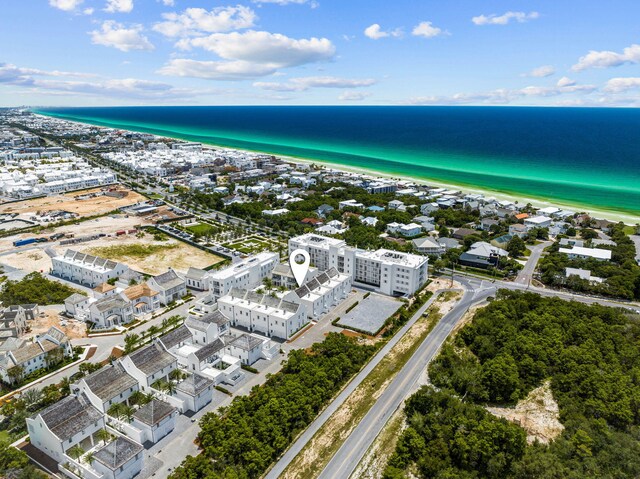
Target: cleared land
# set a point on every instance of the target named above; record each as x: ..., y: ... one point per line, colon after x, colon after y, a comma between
x: 142, y: 254
x: 49, y: 318
x: 538, y: 414
x: 66, y: 202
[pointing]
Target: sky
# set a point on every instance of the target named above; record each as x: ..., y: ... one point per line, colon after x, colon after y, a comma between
x: 320, y: 52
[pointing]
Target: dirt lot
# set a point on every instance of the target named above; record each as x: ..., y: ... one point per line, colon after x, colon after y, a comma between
x: 178, y: 255
x: 537, y: 414
x: 48, y: 318
x: 66, y: 202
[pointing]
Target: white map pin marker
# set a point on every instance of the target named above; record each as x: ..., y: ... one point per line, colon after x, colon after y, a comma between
x: 300, y: 269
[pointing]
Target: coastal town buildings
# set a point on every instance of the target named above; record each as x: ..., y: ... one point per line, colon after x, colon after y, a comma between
x: 386, y: 271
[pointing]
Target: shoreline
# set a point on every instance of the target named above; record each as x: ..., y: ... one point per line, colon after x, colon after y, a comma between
x: 594, y: 212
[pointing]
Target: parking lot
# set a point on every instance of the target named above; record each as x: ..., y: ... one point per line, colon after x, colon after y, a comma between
x: 370, y: 313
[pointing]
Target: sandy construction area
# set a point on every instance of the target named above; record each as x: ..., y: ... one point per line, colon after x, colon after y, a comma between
x: 66, y: 202
x: 170, y: 253
x: 48, y: 318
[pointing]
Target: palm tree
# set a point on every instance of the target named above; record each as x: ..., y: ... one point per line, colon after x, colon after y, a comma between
x: 31, y: 397
x: 130, y: 341
x: 136, y: 398
x: 16, y: 373
x: 88, y: 458
x: 127, y: 413
x: 176, y: 375
x: 152, y: 331
x: 103, y: 435
x: 75, y: 452
x: 116, y: 410
x: 64, y: 385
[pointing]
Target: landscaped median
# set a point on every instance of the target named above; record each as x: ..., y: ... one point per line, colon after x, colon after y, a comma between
x: 313, y: 458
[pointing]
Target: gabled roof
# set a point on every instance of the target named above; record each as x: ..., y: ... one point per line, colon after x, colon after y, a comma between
x: 69, y: 416
x: 151, y: 358
x: 210, y: 349
x: 202, y: 323
x: 138, y: 291
x: 177, y: 336
x: 117, y: 453
x: 246, y: 342
x: 109, y: 302
x: 25, y: 353
x: 110, y: 381
x: 196, y: 273
x: 153, y: 412
x: 56, y: 334
x: 168, y: 280
x: 194, y: 384
x: 104, y: 288
x: 76, y: 298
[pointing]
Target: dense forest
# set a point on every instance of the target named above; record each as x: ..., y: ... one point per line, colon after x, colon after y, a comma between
x: 590, y: 353
x: 621, y: 275
x: 242, y: 440
x: 34, y: 288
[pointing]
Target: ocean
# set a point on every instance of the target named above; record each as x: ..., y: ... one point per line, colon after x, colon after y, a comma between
x: 582, y: 157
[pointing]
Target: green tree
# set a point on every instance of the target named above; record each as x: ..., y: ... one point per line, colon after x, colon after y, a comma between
x: 75, y: 452
x: 516, y: 247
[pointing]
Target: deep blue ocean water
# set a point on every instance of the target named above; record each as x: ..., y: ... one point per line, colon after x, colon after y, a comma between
x: 578, y: 156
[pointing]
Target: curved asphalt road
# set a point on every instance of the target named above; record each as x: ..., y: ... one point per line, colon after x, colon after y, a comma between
x: 354, y: 448
x: 306, y: 436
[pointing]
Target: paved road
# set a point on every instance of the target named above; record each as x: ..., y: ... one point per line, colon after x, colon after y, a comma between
x: 354, y: 448
x: 526, y: 274
x: 306, y: 436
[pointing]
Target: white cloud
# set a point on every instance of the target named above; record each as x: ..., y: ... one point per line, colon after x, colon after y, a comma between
x: 168, y: 3
x: 195, y: 21
x: 427, y: 30
x: 375, y: 32
x: 119, y: 6
x: 215, y: 70
x: 605, y: 59
x: 505, y: 18
x: 305, y: 83
x: 565, y: 81
x: 66, y: 5
x: 504, y: 96
x: 113, y: 88
x: 541, y: 72
x: 116, y: 35
x: 88, y: 11
x: 617, y: 85
x: 353, y: 96
x: 270, y: 51
x: 312, y: 3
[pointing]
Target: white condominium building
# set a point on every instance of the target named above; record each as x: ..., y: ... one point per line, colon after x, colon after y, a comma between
x: 85, y: 269
x: 322, y: 293
x: 388, y: 272
x: 263, y: 313
x: 246, y: 274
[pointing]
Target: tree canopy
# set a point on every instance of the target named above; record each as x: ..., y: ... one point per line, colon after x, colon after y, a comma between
x: 590, y: 354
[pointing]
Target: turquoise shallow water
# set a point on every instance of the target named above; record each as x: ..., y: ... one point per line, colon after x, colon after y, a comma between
x: 579, y: 156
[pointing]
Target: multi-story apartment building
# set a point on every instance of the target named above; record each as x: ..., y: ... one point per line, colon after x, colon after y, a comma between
x: 85, y: 269
x: 263, y: 313
x: 389, y: 272
x: 245, y: 274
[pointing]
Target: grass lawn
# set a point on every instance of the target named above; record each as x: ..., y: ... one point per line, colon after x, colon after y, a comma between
x: 200, y: 228
x: 131, y: 250
x: 629, y: 230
